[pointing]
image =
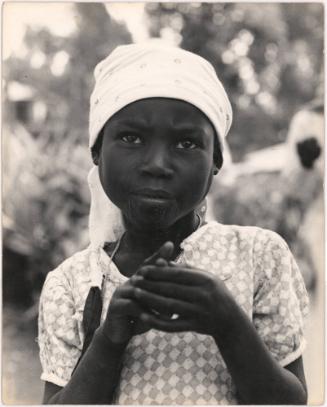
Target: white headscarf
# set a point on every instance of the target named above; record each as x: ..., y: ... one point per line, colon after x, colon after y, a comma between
x: 139, y: 71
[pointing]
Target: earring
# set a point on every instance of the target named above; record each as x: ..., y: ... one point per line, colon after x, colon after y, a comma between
x: 95, y: 158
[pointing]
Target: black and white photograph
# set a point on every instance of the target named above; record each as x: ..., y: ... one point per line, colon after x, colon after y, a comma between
x: 162, y: 203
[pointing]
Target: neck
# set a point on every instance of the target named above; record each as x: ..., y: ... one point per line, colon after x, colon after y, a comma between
x: 147, y: 241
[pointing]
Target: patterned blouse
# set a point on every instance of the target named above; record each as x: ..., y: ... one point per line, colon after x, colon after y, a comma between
x: 182, y: 368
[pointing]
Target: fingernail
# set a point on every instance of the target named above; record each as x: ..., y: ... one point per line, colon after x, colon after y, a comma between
x: 138, y: 292
x: 161, y: 262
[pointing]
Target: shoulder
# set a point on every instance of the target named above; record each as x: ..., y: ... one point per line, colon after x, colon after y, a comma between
x: 265, y: 245
x: 252, y: 234
x: 77, y: 262
x: 242, y: 242
x: 249, y: 241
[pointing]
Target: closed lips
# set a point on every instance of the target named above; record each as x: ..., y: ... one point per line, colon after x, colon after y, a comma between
x: 154, y: 193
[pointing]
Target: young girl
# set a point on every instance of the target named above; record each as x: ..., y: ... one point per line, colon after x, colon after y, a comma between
x: 163, y: 308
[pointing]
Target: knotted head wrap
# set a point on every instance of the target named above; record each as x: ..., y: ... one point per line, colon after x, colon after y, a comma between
x: 140, y: 71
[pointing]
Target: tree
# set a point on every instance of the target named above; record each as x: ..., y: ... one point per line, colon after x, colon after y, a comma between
x: 49, y: 176
x: 267, y: 55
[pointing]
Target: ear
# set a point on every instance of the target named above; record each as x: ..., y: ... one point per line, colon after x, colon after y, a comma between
x: 215, y: 170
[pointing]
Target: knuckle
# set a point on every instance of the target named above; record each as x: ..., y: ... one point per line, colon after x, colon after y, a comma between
x: 133, y: 280
x: 113, y: 306
x: 120, y: 292
x: 116, y: 294
x: 138, y: 293
x: 143, y: 270
x: 209, y: 279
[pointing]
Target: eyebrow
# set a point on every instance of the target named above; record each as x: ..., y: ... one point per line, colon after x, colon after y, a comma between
x: 144, y: 125
x: 137, y: 122
x: 188, y: 129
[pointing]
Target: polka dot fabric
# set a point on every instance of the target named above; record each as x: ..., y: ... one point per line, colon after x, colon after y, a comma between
x: 182, y: 368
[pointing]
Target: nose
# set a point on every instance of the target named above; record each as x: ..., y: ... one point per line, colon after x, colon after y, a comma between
x: 157, y: 162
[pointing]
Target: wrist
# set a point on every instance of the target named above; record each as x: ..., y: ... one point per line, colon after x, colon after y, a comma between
x: 104, y: 341
x: 229, y: 321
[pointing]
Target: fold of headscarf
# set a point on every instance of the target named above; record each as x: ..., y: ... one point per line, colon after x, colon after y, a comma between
x: 105, y: 219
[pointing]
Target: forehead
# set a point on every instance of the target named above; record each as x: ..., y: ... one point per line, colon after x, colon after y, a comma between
x: 163, y: 112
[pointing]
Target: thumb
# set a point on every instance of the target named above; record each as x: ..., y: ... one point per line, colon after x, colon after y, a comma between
x: 164, y: 252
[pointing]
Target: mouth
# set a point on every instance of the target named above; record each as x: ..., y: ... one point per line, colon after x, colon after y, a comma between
x: 153, y: 194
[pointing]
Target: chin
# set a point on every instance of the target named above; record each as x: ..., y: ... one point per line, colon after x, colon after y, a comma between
x: 150, y: 218
x: 154, y: 222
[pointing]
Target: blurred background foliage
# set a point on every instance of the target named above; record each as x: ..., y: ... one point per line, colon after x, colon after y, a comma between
x: 269, y: 57
x: 46, y: 162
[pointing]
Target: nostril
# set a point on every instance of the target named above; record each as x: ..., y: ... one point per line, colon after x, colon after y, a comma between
x: 157, y: 171
x: 157, y: 166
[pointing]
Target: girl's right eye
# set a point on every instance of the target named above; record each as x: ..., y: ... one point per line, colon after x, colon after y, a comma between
x: 131, y: 138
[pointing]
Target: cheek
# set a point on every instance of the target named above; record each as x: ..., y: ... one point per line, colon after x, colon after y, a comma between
x: 113, y: 177
x: 197, y: 182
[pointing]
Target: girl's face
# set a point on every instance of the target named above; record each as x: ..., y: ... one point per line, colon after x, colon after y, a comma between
x: 156, y: 161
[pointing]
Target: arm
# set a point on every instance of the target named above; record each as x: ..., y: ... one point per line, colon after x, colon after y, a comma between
x: 257, y: 375
x: 97, y: 374
x: 95, y: 378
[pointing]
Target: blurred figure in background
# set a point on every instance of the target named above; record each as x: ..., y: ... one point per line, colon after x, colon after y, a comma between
x: 303, y: 206
x: 280, y: 187
x: 301, y: 212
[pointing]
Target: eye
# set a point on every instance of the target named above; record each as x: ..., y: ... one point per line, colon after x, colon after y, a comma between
x: 131, y: 138
x: 186, y: 144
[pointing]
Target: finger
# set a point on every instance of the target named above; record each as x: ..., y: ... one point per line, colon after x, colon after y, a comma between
x: 171, y: 290
x: 126, y: 291
x: 174, y: 325
x: 165, y: 305
x: 126, y: 307
x: 165, y: 252
x: 148, y: 268
x: 180, y: 275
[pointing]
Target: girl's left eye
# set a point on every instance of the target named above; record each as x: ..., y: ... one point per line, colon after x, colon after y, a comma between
x: 186, y: 145
x: 131, y: 138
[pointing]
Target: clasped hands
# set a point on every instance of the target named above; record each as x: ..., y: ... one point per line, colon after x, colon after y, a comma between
x: 167, y: 296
